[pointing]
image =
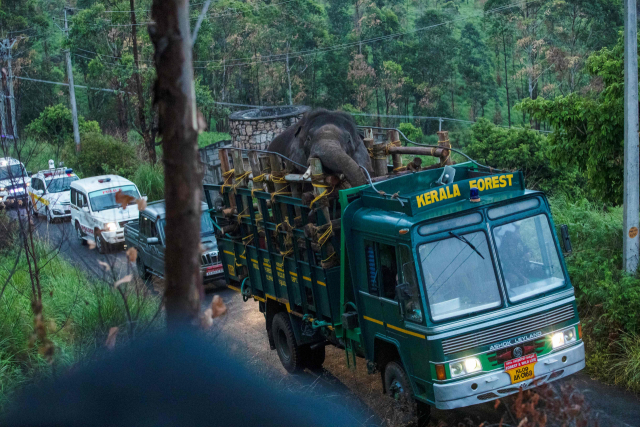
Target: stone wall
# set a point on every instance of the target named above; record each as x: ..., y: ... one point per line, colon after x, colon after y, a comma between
x: 255, y: 129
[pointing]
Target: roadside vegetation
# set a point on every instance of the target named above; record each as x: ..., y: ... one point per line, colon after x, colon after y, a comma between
x: 83, y: 315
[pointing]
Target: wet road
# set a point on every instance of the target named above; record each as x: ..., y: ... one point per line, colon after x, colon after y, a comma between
x: 242, y: 332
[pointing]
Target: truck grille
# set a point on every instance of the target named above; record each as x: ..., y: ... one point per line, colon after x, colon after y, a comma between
x: 209, y: 259
x: 506, y: 331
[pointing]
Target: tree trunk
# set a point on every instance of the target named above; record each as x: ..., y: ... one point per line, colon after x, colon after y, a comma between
x: 178, y: 123
x: 142, y: 117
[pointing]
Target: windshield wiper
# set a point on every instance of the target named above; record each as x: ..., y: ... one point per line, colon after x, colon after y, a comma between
x: 464, y: 240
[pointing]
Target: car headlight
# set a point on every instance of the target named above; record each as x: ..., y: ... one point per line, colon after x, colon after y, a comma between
x: 112, y: 226
x: 3, y: 188
x: 465, y: 366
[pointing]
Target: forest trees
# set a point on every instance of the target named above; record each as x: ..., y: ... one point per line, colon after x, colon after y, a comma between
x: 456, y: 59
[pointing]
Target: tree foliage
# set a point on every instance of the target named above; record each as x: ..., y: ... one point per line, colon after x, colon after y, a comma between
x: 55, y: 125
x: 589, y: 128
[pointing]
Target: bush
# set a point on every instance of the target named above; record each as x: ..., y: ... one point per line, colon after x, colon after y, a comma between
x: 55, y: 125
x: 8, y: 232
x: 521, y: 149
x: 150, y: 180
x: 78, y: 312
x: 104, y: 154
x: 608, y: 298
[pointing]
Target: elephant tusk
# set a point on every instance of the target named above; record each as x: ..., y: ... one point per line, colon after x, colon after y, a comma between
x: 307, y: 174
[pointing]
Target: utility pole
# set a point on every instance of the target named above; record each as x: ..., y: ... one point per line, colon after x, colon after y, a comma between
x: 72, y: 90
x: 7, y: 45
x: 3, y: 119
x: 630, y: 247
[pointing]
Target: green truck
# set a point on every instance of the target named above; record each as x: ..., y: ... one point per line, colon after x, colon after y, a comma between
x: 450, y: 282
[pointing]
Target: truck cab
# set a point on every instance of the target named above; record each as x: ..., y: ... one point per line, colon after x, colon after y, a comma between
x: 95, y: 213
x: 147, y: 235
x: 465, y: 283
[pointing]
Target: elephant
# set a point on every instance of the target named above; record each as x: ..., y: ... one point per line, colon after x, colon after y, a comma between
x: 332, y: 137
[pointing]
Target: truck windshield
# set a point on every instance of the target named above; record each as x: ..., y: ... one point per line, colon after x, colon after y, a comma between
x: 106, y: 199
x: 13, y: 171
x: 206, y: 225
x: 59, y: 185
x: 528, y: 257
x: 460, y: 280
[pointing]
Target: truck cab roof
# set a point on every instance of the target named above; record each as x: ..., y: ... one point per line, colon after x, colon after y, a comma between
x: 158, y: 210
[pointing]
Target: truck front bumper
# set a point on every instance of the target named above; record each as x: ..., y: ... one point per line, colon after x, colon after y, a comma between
x: 212, y: 273
x: 495, y: 385
x: 11, y: 199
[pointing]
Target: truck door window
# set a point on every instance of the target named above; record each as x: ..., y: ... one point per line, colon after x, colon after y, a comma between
x: 412, y: 304
x: 388, y: 270
x: 147, y: 227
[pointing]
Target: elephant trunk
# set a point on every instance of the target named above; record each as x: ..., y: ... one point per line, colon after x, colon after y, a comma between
x: 333, y: 157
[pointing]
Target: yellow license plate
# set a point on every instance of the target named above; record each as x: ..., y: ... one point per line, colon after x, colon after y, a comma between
x: 522, y: 373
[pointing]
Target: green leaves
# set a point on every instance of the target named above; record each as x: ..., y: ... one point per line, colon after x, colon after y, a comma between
x: 55, y: 125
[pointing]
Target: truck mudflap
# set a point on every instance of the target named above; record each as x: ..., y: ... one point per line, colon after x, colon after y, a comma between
x: 494, y: 385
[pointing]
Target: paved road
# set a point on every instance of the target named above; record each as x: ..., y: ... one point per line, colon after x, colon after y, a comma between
x: 242, y: 332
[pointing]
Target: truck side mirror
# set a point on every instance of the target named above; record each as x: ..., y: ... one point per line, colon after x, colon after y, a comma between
x: 85, y: 208
x: 153, y: 241
x: 566, y: 240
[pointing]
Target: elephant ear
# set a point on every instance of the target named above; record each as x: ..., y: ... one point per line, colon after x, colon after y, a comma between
x: 298, y: 131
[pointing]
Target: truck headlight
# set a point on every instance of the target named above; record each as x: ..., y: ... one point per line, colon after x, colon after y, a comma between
x: 558, y: 339
x: 3, y: 188
x: 465, y: 366
x: 112, y: 226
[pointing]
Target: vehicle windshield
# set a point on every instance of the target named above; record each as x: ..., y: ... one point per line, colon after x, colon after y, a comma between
x: 106, y: 199
x: 206, y: 225
x: 59, y: 185
x: 528, y: 257
x: 13, y: 171
x: 459, y: 276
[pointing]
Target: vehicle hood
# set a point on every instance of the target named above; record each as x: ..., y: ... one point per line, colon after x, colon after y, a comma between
x: 15, y: 181
x: 210, y: 244
x: 117, y: 214
x: 58, y: 198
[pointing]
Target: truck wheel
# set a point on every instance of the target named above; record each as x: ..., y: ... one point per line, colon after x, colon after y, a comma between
x: 314, y: 357
x: 398, y: 386
x: 288, y: 351
x: 142, y: 269
x: 79, y: 235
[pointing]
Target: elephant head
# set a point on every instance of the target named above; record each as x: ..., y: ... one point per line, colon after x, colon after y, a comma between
x: 333, y: 138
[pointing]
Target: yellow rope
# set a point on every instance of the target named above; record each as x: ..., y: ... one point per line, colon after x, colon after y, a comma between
x: 240, y: 215
x: 240, y: 178
x: 401, y: 168
x: 370, y: 150
x: 227, y: 176
x: 329, y: 257
x: 287, y: 253
x: 278, y: 179
x: 281, y: 192
x: 259, y: 178
x: 250, y: 237
x: 320, y: 196
x: 325, y: 236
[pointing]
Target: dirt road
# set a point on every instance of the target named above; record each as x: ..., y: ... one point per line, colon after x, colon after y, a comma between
x: 242, y: 332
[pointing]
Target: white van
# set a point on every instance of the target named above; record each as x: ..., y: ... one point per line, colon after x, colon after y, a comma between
x: 95, y: 215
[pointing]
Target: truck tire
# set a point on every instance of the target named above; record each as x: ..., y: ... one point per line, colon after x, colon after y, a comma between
x: 142, y: 269
x: 314, y: 357
x: 289, y: 352
x: 398, y: 386
x: 79, y: 235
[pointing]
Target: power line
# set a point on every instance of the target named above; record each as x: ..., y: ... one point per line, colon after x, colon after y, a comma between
x: 101, y: 89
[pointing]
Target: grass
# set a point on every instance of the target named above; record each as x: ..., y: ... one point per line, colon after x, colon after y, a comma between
x: 78, y: 312
x: 208, y: 138
x: 150, y: 180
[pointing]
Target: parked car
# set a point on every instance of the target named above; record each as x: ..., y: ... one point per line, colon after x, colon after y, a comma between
x: 96, y: 215
x: 148, y: 237
x: 50, y: 192
x: 14, y: 180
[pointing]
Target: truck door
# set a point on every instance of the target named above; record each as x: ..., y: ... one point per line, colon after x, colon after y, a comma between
x: 153, y: 257
x: 397, y: 268
x: 371, y: 308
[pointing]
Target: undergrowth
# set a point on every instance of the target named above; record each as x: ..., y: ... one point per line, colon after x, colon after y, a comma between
x: 78, y: 311
x: 608, y: 298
